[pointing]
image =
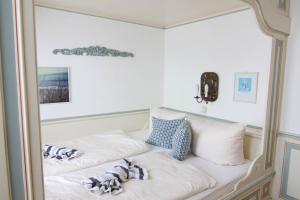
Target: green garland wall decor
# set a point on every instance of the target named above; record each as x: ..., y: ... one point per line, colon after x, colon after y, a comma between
x: 93, y: 51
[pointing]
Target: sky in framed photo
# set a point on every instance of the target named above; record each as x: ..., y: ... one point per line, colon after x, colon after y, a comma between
x: 245, y: 84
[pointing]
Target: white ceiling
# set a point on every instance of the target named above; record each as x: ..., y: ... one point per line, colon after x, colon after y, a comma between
x: 156, y: 13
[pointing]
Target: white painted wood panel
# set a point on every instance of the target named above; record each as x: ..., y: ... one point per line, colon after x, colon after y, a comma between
x: 60, y: 130
x: 294, y: 175
x: 157, y: 13
x: 287, y: 164
x: 65, y: 129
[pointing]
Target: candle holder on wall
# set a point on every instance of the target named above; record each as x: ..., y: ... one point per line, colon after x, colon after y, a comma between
x: 209, y: 87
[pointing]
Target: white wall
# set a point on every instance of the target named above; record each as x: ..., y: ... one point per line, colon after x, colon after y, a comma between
x: 291, y: 94
x: 101, y: 84
x: 226, y: 44
x: 166, y: 66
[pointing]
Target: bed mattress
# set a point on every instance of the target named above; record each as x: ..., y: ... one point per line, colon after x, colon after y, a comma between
x: 225, y: 176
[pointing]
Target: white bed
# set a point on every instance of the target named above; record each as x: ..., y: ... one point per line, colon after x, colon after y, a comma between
x: 169, y: 179
x: 225, y: 176
x: 96, y: 149
x: 67, y: 185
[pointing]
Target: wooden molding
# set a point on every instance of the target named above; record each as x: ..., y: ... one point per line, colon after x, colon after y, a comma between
x: 5, y: 189
x: 28, y: 98
x: 279, y: 32
x: 271, y: 19
x: 288, y: 147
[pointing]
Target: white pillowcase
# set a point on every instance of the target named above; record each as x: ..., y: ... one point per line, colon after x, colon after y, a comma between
x: 221, y: 143
x: 164, y: 114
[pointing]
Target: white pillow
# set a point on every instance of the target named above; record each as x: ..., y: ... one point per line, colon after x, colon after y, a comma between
x: 221, y: 143
x: 164, y: 114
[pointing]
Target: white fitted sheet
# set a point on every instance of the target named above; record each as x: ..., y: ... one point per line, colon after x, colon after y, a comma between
x: 225, y: 176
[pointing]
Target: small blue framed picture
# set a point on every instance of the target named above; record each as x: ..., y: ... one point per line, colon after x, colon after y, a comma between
x: 245, y: 89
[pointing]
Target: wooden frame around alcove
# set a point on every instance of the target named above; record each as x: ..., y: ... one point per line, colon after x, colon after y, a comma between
x: 273, y: 19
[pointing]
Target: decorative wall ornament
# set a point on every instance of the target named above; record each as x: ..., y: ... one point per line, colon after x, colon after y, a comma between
x: 93, y: 51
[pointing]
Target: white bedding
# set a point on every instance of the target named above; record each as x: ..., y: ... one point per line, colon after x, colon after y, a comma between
x: 225, y: 176
x: 96, y: 150
x: 169, y: 180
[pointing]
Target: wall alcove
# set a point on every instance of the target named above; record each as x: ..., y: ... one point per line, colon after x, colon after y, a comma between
x: 273, y: 19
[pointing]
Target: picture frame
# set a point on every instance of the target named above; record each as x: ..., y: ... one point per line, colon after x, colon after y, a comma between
x: 245, y: 87
x: 54, y: 85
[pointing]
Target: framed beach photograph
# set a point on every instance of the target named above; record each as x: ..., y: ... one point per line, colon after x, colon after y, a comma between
x: 54, y: 84
x: 245, y: 87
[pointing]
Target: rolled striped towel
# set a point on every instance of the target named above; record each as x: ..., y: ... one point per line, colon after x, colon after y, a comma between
x: 59, y: 153
x: 111, y: 181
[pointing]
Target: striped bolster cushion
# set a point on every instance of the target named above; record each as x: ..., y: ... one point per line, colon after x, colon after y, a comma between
x: 110, y: 182
x: 60, y: 153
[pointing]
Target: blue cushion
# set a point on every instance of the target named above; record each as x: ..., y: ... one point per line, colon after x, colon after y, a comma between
x: 163, y: 132
x: 181, y: 143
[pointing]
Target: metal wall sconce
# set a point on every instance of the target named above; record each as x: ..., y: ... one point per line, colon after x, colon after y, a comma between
x: 208, y: 88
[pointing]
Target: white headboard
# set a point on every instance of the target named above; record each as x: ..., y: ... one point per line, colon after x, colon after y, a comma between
x: 68, y: 128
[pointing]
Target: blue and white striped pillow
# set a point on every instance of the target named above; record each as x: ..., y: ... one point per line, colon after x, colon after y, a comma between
x: 181, y: 143
x: 163, y: 132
